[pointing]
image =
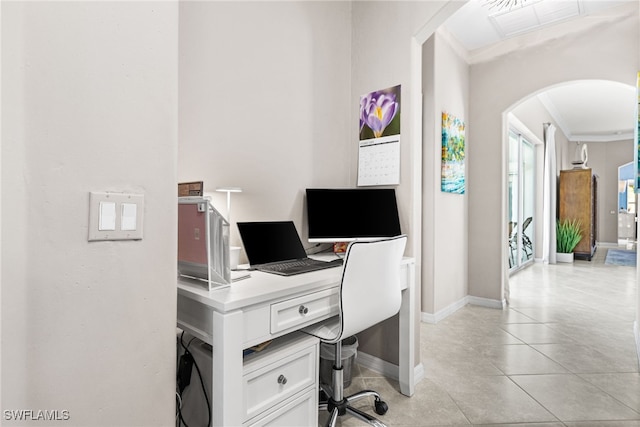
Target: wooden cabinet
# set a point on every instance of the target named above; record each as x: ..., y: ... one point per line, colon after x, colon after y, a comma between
x: 578, y: 199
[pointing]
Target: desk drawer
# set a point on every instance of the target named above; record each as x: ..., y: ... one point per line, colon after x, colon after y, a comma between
x: 304, y: 310
x: 301, y: 410
x: 275, y: 382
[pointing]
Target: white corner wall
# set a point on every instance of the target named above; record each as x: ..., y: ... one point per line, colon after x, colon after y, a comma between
x: 0, y: 203
x: 604, y: 159
x: 265, y: 103
x: 602, y: 51
x: 445, y: 216
x: 380, y: 59
x: 89, y: 103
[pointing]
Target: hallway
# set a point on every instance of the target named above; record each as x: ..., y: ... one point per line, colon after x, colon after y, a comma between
x: 562, y: 354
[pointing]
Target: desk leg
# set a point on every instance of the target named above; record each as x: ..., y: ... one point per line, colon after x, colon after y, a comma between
x: 227, y: 369
x: 406, y: 357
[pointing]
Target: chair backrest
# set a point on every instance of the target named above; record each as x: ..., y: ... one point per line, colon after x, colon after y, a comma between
x: 370, y: 289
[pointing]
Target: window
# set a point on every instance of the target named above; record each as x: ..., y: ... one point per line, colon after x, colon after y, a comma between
x: 521, y: 200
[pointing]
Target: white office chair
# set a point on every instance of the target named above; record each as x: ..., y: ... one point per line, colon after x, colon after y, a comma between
x: 369, y: 293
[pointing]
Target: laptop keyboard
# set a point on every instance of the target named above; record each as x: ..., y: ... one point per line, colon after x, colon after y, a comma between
x: 299, y: 266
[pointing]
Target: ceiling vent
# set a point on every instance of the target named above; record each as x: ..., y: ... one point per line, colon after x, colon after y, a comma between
x: 532, y: 15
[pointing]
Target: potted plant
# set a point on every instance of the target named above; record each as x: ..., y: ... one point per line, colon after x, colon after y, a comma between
x: 568, y: 235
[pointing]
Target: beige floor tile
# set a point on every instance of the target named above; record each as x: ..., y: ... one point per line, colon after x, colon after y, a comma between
x: 584, y: 359
x: 470, y: 364
x: 571, y: 398
x: 525, y: 425
x: 520, y: 360
x: 486, y: 400
x: 536, y: 333
x: 430, y: 406
x: 603, y: 424
x: 624, y: 387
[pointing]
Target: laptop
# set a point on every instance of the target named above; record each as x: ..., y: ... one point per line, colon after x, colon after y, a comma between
x: 275, y: 247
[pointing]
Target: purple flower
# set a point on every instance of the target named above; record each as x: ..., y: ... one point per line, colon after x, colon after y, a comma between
x: 364, y: 102
x: 377, y: 110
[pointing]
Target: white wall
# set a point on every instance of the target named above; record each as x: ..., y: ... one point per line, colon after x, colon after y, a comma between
x: 601, y: 51
x: 89, y: 103
x: 0, y: 209
x: 265, y: 103
x: 264, y: 83
x: 383, y: 58
x: 604, y: 159
x: 444, y: 244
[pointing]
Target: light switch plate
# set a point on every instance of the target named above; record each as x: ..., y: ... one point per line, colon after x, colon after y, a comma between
x: 127, y: 224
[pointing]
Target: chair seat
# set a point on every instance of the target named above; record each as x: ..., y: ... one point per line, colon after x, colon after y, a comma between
x: 327, y: 331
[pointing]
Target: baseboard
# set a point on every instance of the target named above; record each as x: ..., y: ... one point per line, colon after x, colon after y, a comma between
x: 636, y: 330
x: 452, y: 308
x: 418, y: 373
x: 608, y: 244
x: 445, y: 312
x: 487, y: 302
x: 383, y: 367
x: 387, y: 369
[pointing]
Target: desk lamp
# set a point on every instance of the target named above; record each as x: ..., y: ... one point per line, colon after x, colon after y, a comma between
x: 229, y: 190
x: 235, y: 250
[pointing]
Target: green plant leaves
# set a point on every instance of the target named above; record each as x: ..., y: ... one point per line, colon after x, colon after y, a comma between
x: 568, y: 235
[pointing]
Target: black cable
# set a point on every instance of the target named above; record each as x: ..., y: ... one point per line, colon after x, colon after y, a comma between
x: 180, y: 420
x: 204, y: 389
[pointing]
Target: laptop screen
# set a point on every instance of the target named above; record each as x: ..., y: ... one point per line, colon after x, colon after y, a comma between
x: 271, y: 241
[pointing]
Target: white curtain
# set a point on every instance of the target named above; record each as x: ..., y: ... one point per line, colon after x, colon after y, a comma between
x: 549, y: 196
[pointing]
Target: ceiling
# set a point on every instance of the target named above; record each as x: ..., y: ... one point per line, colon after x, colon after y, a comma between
x: 585, y: 111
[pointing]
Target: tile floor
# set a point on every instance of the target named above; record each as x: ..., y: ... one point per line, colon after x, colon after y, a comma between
x: 562, y: 354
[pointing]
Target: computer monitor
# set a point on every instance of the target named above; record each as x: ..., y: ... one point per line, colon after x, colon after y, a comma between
x: 349, y: 214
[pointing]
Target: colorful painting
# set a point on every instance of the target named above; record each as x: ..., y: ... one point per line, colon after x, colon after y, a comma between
x: 453, y: 177
x: 637, y: 133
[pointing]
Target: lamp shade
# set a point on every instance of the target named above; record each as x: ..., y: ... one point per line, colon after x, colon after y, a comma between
x: 229, y: 189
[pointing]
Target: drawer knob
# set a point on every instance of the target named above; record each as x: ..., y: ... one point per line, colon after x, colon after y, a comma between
x: 282, y: 380
x: 303, y: 310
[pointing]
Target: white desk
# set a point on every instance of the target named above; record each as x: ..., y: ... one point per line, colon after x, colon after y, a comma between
x: 266, y: 306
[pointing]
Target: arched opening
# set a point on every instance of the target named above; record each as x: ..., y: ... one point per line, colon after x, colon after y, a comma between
x: 593, y: 114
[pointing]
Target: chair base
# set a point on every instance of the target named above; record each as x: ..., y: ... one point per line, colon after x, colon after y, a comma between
x: 338, y: 409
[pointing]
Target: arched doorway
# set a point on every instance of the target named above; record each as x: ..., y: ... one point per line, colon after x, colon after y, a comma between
x: 609, y: 140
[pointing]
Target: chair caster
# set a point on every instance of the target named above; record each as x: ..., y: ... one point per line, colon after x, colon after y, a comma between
x: 381, y: 407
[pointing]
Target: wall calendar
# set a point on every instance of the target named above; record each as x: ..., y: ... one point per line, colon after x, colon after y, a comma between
x: 379, y: 141
x: 379, y: 161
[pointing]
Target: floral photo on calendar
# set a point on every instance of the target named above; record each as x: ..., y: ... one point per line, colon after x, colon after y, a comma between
x: 453, y: 149
x: 379, y: 138
x: 380, y: 113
